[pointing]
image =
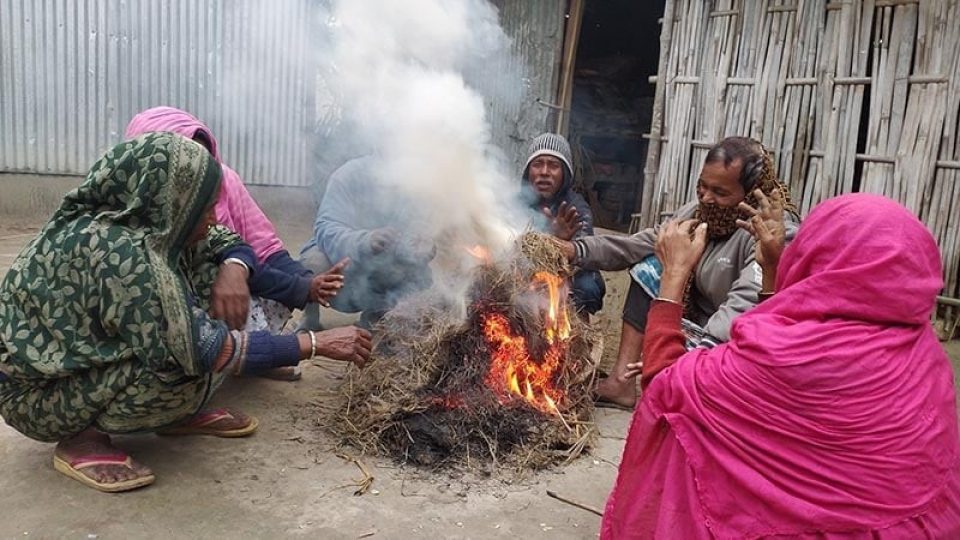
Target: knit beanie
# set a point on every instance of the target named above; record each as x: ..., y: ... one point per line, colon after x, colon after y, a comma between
x: 549, y: 144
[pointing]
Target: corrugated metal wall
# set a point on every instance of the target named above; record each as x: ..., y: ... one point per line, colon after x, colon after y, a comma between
x: 72, y: 74
x: 535, y: 28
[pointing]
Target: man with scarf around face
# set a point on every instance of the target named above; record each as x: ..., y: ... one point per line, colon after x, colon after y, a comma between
x: 547, y: 181
x: 727, y: 279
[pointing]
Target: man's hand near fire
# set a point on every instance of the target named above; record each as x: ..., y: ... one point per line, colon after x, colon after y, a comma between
x: 566, y: 223
x: 417, y: 249
x: 382, y: 239
x: 325, y: 286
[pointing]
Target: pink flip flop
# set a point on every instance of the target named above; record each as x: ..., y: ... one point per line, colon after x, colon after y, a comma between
x: 210, y: 422
x: 74, y: 469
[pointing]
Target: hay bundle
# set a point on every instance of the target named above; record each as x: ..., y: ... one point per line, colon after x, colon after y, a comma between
x: 425, y: 397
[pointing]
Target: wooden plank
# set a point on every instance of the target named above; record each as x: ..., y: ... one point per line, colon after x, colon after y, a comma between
x: 889, y: 3
x: 852, y: 80
x: 927, y: 79
x: 571, y: 42
x: 875, y: 158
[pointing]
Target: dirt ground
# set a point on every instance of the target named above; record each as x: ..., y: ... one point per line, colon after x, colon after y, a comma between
x: 287, y: 481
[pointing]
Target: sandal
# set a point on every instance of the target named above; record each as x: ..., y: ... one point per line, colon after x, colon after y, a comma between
x: 74, y: 469
x: 224, y: 422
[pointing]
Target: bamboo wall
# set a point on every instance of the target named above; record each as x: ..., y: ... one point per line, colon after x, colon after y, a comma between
x: 853, y: 95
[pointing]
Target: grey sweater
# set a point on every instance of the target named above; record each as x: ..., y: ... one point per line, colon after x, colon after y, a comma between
x: 726, y: 281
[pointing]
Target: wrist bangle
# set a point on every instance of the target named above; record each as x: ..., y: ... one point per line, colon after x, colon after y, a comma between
x: 234, y: 260
x: 313, y: 343
x: 669, y: 301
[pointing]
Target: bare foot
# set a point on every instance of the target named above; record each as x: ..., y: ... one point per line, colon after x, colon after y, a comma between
x: 618, y: 391
x: 91, y: 459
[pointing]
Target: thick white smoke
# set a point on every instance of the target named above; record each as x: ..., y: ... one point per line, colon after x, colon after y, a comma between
x: 398, y: 71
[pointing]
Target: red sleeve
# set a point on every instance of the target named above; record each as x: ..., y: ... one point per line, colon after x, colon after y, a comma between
x: 663, y: 342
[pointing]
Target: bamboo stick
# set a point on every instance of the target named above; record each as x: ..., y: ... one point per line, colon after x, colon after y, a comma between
x: 571, y: 42
x: 652, y: 163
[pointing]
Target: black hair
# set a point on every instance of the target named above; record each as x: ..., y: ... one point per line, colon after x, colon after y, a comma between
x: 753, y: 158
x: 201, y: 137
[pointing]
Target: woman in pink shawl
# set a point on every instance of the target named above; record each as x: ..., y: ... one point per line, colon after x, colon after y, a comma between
x: 278, y: 283
x: 831, y: 411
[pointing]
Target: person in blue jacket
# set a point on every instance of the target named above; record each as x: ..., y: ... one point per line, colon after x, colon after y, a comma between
x: 372, y: 224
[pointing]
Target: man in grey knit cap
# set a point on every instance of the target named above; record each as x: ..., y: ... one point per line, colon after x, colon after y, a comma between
x: 547, y: 182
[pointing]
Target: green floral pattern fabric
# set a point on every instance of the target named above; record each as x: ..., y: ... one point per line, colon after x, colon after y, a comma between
x: 101, y: 320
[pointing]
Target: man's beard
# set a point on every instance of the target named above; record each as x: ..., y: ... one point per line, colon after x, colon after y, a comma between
x: 721, y: 220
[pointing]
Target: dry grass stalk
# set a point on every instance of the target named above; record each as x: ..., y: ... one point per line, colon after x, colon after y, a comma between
x: 423, y: 398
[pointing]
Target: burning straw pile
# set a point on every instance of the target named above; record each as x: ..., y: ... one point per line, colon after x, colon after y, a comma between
x: 507, y: 388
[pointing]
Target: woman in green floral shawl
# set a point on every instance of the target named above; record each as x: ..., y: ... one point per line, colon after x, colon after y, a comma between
x: 103, y: 322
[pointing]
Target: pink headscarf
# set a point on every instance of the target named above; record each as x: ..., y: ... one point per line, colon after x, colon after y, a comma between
x: 235, y: 208
x: 832, y: 407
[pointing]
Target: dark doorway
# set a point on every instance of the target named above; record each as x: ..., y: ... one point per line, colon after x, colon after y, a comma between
x: 619, y: 49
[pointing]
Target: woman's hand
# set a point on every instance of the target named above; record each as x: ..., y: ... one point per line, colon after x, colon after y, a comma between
x: 680, y: 245
x: 566, y: 224
x: 346, y: 343
x: 325, y: 286
x: 766, y: 225
x: 230, y: 293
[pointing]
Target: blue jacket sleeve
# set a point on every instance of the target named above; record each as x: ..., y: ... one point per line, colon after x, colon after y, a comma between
x: 282, y: 279
x: 336, y: 228
x: 245, y: 254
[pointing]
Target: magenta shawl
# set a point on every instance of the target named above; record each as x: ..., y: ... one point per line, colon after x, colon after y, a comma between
x: 235, y: 208
x: 831, y: 411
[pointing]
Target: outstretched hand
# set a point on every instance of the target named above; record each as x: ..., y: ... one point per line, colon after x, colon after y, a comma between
x: 346, y: 343
x: 566, y: 223
x: 766, y: 225
x: 325, y: 286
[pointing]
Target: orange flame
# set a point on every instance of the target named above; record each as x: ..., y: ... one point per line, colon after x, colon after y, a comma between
x: 558, y: 325
x: 513, y: 372
x: 479, y: 252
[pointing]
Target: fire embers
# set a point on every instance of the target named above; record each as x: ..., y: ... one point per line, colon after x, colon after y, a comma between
x: 506, y: 387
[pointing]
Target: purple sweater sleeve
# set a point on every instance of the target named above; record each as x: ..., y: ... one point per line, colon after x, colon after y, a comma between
x: 266, y: 351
